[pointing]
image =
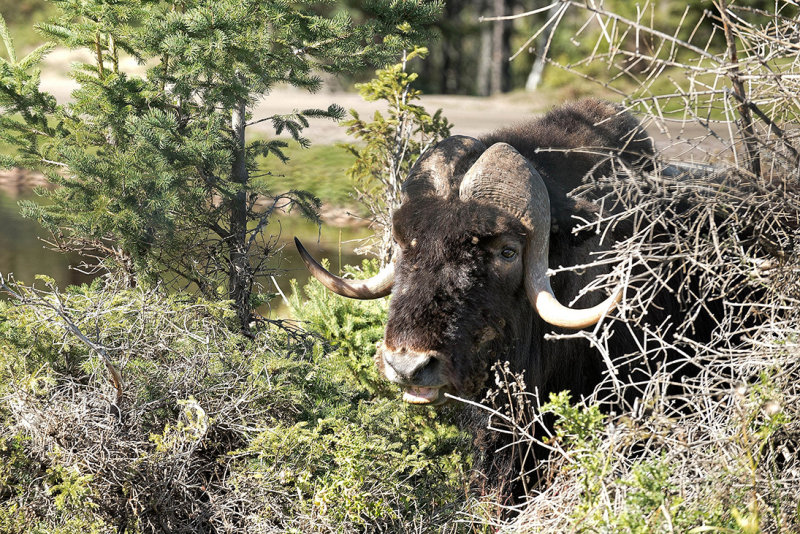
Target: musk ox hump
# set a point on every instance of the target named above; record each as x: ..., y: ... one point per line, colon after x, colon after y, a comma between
x: 439, y: 170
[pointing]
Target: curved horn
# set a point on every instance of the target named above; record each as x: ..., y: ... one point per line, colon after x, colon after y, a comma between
x: 541, y: 296
x: 376, y: 287
x: 503, y: 177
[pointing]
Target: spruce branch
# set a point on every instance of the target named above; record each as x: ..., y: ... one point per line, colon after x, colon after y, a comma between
x: 7, y: 42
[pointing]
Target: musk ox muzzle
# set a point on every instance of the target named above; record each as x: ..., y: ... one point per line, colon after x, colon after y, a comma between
x: 419, y: 374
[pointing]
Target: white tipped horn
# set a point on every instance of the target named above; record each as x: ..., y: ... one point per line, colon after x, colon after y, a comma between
x: 376, y: 287
x: 553, y: 312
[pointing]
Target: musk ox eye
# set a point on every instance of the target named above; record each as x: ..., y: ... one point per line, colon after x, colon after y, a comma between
x: 508, y: 253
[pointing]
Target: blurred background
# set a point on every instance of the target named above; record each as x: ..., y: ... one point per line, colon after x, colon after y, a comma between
x: 490, y: 63
x: 469, y: 54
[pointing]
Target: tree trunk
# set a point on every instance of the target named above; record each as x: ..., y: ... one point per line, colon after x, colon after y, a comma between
x: 482, y: 85
x: 537, y: 69
x: 498, y: 81
x: 505, y: 51
x: 493, y: 68
x: 451, y: 74
x: 448, y: 83
x: 241, y: 274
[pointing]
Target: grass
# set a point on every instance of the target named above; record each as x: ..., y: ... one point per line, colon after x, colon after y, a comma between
x: 319, y: 169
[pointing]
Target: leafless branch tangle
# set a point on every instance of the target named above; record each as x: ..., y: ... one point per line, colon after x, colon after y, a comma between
x: 722, y: 236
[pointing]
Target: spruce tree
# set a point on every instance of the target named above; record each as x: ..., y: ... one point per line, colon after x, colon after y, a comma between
x: 156, y: 174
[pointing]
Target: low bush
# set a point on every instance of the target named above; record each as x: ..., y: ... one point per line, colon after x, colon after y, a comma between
x: 207, y: 430
x: 616, y: 473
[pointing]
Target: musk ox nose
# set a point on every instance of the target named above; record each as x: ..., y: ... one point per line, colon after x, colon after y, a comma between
x: 412, y: 367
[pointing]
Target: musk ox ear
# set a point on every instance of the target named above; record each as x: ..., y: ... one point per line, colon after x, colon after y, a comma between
x: 504, y: 178
x: 438, y: 171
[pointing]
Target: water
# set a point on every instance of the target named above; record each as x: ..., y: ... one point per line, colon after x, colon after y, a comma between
x: 23, y: 253
x: 335, y: 244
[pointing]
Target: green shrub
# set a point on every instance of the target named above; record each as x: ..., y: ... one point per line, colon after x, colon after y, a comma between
x: 616, y: 474
x: 390, y: 145
x: 352, y: 328
x: 424, y: 446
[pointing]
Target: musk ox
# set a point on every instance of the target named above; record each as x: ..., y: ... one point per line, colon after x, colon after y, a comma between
x: 480, y: 223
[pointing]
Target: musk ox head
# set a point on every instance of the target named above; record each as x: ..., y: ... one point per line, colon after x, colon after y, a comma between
x: 470, y: 272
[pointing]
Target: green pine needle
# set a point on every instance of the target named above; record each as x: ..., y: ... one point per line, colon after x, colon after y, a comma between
x: 9, y: 44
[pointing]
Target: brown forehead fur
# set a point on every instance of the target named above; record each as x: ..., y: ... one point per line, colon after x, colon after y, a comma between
x: 433, y: 220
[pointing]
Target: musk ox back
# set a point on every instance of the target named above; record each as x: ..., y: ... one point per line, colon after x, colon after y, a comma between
x: 481, y: 222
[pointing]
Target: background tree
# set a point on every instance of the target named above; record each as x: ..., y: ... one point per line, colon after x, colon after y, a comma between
x: 465, y: 57
x: 158, y: 177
